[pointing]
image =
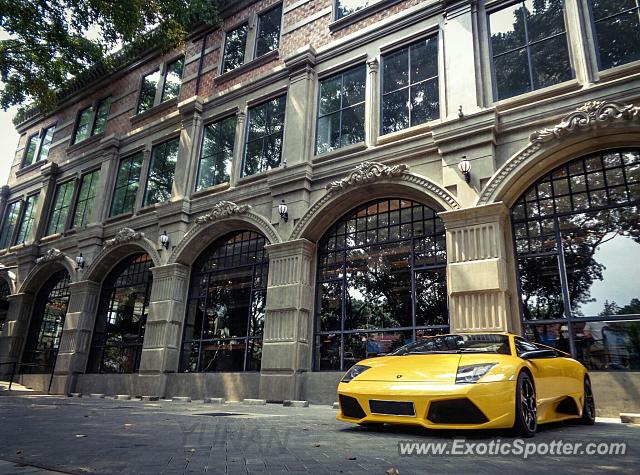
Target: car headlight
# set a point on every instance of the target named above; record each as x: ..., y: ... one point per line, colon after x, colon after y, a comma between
x: 353, y: 372
x: 473, y: 372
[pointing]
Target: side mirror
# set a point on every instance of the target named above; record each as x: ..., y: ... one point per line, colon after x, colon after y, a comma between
x: 535, y: 354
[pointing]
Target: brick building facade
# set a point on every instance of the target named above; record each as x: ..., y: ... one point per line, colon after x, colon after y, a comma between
x: 171, y: 177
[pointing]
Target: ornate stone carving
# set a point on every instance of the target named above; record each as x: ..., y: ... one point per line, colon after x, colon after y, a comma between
x: 123, y: 236
x: 50, y: 255
x: 222, y: 209
x: 591, y: 115
x: 367, y: 172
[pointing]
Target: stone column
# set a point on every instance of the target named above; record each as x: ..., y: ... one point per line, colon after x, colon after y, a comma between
x: 299, y: 141
x: 238, y: 148
x: 480, y: 270
x: 107, y: 179
x: 288, y: 333
x: 75, y: 343
x: 16, y: 327
x: 460, y: 85
x: 372, y: 105
x: 163, y: 332
x: 190, y: 139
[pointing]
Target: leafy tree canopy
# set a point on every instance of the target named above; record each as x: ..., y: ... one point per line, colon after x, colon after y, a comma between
x: 49, y: 40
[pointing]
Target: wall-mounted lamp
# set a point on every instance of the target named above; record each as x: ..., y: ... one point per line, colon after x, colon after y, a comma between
x: 79, y: 262
x: 283, y: 209
x: 465, y: 167
x: 164, y: 240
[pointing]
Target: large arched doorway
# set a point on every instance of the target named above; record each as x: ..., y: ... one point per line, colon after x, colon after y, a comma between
x: 122, y: 314
x: 381, y: 282
x: 577, y: 240
x: 47, y: 322
x: 226, y: 308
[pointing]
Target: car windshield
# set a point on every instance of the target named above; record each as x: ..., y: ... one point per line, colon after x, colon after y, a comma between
x: 476, y: 343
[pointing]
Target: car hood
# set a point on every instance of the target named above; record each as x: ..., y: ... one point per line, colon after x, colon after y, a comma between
x: 412, y: 368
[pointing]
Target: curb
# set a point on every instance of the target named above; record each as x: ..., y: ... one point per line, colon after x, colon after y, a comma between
x: 122, y: 397
x: 629, y: 418
x: 292, y: 403
x: 214, y: 400
x: 255, y: 402
x: 181, y: 399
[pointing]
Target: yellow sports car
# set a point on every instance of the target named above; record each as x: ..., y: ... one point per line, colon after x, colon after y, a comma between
x: 468, y: 381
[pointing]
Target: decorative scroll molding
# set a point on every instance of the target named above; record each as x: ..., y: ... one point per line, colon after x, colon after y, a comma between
x: 589, y: 116
x: 50, y: 255
x: 221, y: 210
x: 123, y: 236
x: 367, y: 172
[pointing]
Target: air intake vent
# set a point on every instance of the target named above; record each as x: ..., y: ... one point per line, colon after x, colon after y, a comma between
x: 455, y: 411
x: 350, y: 407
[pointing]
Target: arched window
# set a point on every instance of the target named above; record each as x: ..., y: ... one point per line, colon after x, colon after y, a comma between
x: 47, y: 322
x: 577, y: 239
x: 226, y: 308
x: 122, y: 314
x: 381, y: 282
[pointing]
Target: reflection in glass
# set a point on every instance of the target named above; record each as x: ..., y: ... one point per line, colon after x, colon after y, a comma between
x: 263, y: 145
x: 217, y: 153
x: 161, y: 171
x: 121, y: 317
x: 173, y: 80
x: 268, y: 36
x: 47, y: 322
x: 381, y: 273
x: 529, y: 47
x: 234, y: 48
x: 127, y: 183
x: 617, y: 25
x: 148, y: 91
x: 226, y: 309
x: 609, y: 345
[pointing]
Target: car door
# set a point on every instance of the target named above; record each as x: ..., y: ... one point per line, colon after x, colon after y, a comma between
x: 547, y: 373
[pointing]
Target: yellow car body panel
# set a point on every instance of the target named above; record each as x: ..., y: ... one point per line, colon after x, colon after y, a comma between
x: 422, y: 380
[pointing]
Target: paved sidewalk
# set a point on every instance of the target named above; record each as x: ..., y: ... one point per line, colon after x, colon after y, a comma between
x: 48, y: 434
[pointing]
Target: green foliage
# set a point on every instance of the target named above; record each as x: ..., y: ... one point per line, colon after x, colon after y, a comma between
x: 49, y: 44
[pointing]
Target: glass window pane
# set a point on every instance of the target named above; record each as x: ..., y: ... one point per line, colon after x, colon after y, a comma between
x: 545, y: 18
x: 161, y: 172
x: 352, y: 130
x: 268, y: 37
x: 550, y: 62
x: 395, y: 111
x: 618, y: 39
x: 425, y: 104
x: 101, y: 116
x: 263, y: 148
x: 353, y: 88
x: 28, y: 218
x: 148, y: 91
x: 507, y: 29
x: 330, y: 95
x: 328, y: 133
x: 47, y: 139
x: 61, y: 206
x: 512, y: 74
x: 173, y: 81
x: 609, y: 345
x: 347, y: 7
x: 86, y: 199
x: 540, y: 289
x: 234, y: 48
x: 11, y: 216
x: 424, y: 60
x: 84, y: 126
x: 217, y: 153
x: 32, y: 148
x: 127, y: 182
x: 606, y: 8
x: 395, y: 70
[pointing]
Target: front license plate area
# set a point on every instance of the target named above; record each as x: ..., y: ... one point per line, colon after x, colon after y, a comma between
x: 392, y: 408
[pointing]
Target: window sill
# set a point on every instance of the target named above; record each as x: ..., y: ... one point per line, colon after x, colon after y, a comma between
x: 619, y: 71
x: 409, y: 132
x: 32, y: 167
x: 50, y: 237
x: 355, y: 17
x: 86, y: 142
x: 340, y: 152
x: 260, y: 175
x: 537, y: 95
x: 240, y: 70
x: 211, y: 190
x: 136, y: 119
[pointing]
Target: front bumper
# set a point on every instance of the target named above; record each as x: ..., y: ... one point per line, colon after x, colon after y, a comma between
x: 433, y: 405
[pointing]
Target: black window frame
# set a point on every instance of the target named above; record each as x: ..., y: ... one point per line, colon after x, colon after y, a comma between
x: 159, y: 93
x: 10, y: 239
x: 257, y: 29
x: 284, y: 97
x: 432, y: 35
x: 201, y: 157
x: 93, y: 119
x: 154, y: 149
x: 77, y: 200
x: 65, y: 224
x: 132, y: 157
x: 223, y: 61
x: 32, y: 218
x: 40, y: 137
x: 342, y: 109
x: 593, y: 25
x: 337, y: 8
x: 527, y: 46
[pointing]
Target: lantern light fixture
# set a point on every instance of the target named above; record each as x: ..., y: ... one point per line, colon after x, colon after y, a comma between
x: 465, y: 168
x: 164, y: 240
x: 79, y: 262
x: 283, y: 209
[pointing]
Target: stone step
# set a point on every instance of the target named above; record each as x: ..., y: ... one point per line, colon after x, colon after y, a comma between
x: 75, y: 395
x: 255, y: 402
x: 629, y: 418
x: 181, y: 399
x: 122, y: 397
x: 294, y: 403
x: 149, y: 398
x: 214, y: 400
x: 97, y: 396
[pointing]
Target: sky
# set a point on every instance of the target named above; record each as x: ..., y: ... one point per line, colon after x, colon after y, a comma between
x: 8, y: 136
